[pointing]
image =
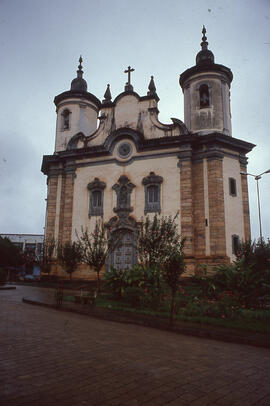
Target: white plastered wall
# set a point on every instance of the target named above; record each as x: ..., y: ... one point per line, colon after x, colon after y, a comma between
x: 136, y: 171
x: 233, y: 205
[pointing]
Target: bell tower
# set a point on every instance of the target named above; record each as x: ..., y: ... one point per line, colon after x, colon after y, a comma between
x: 206, y: 88
x: 77, y: 111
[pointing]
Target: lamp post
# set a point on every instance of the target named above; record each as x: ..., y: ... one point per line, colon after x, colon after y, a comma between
x: 257, y: 178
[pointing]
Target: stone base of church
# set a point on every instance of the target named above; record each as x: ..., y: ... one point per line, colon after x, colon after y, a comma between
x: 196, y: 265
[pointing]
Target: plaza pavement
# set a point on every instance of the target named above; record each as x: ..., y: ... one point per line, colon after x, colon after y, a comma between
x: 58, y: 358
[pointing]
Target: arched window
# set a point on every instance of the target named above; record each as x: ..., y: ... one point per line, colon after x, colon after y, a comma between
x: 204, y: 96
x: 66, y: 119
x: 152, y: 195
x: 232, y: 187
x: 96, y: 189
x: 96, y: 199
x: 235, y: 244
x: 152, y: 185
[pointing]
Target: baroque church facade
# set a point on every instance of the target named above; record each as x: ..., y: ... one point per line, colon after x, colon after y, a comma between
x: 131, y: 165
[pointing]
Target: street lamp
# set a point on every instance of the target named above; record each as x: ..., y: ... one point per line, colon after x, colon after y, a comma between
x: 257, y: 178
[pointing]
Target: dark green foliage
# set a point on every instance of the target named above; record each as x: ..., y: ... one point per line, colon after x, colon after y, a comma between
x: 115, y: 281
x: 69, y: 255
x: 133, y: 295
x: 249, y: 276
x: 9, y: 254
x: 3, y: 275
x: 174, y: 267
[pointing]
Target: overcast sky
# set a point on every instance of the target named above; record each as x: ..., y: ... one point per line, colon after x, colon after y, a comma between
x: 41, y: 42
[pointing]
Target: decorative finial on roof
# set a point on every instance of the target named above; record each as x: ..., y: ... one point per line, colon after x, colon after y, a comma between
x: 205, y: 56
x: 204, y: 43
x: 151, y: 87
x: 79, y: 84
x: 80, y: 71
x: 107, y: 95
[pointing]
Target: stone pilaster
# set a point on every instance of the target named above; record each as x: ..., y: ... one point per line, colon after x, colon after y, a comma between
x: 51, y: 207
x: 66, y: 206
x: 198, y: 208
x: 186, y: 209
x: 216, y: 207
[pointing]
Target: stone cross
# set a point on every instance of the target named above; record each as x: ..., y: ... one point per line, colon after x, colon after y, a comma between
x: 128, y: 71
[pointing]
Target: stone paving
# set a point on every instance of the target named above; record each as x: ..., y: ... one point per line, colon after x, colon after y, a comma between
x: 56, y: 358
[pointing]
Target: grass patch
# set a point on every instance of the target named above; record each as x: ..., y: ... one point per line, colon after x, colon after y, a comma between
x: 252, y: 325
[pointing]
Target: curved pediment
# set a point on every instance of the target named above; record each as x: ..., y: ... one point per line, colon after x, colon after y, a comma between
x: 124, y: 133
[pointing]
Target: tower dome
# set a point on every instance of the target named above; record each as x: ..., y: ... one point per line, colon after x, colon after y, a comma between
x: 205, y: 56
x: 79, y: 84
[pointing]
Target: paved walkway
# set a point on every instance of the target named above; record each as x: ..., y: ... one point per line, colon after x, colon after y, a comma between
x: 56, y: 358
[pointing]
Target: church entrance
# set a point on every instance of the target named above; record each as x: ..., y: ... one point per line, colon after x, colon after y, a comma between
x: 124, y: 255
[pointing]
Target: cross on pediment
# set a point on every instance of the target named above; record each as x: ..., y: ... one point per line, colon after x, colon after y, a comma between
x: 128, y: 71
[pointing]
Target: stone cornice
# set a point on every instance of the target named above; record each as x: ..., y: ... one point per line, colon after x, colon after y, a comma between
x: 205, y: 68
x: 79, y: 95
x: 190, y: 146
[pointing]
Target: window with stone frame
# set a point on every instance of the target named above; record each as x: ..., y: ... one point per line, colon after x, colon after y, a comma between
x: 204, y: 96
x: 235, y: 243
x: 232, y: 187
x: 96, y: 189
x: 152, y: 190
x: 65, y: 120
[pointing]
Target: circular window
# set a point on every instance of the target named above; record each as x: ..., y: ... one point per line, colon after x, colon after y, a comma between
x: 124, y: 150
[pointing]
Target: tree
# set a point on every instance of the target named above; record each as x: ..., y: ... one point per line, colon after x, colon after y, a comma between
x: 160, y: 252
x: 173, y: 268
x: 10, y: 255
x: 70, y: 255
x: 96, y: 247
x: 49, y: 246
x: 157, y: 239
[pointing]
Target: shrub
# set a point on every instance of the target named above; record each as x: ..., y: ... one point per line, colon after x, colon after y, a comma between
x: 133, y: 295
x: 3, y: 276
x: 115, y: 281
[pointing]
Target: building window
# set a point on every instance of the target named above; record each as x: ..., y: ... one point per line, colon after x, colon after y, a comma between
x: 66, y: 119
x: 232, y: 187
x: 96, y: 189
x: 235, y: 244
x: 152, y: 186
x: 204, y: 96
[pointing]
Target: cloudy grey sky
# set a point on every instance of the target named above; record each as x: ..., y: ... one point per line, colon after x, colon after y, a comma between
x: 40, y: 45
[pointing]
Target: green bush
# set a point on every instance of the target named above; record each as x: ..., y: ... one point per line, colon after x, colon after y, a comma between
x: 115, y: 281
x: 3, y: 276
x: 133, y: 295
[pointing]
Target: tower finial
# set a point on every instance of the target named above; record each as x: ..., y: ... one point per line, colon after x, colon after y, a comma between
x: 80, y: 63
x: 107, y: 95
x: 205, y: 56
x: 204, y: 43
x: 79, y: 84
x: 151, y: 87
x: 80, y: 71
